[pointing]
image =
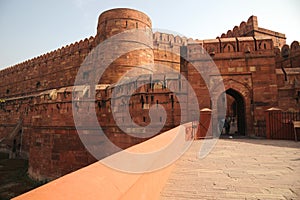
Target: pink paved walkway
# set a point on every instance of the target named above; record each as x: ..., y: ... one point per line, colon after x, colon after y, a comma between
x: 237, y: 169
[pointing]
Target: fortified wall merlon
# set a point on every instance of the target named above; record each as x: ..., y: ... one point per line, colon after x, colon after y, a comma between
x: 258, y: 69
x: 235, y: 46
x: 250, y: 28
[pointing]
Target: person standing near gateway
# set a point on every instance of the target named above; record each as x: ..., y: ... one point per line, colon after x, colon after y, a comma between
x: 227, y: 124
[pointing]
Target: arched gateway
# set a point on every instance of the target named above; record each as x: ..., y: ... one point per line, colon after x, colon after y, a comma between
x: 237, y: 100
x: 235, y: 111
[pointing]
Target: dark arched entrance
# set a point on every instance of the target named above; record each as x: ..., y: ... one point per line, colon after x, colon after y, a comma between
x: 235, y: 110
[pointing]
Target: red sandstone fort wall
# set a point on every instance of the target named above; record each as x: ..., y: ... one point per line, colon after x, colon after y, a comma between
x: 243, y: 64
x: 166, y: 49
x: 288, y: 76
x: 52, y: 70
x: 263, y: 76
x: 49, y: 136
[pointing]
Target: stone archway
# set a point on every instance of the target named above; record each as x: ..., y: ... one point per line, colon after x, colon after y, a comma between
x: 241, y: 93
x: 235, y: 110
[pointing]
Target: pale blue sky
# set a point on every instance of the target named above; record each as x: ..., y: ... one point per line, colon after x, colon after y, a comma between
x: 34, y: 27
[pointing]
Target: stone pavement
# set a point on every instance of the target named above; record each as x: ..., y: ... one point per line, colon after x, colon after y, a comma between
x: 237, y: 169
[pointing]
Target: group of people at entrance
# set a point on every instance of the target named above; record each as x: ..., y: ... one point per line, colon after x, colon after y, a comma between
x: 229, y: 125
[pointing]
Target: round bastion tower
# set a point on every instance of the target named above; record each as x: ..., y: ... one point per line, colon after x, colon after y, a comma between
x: 130, y: 35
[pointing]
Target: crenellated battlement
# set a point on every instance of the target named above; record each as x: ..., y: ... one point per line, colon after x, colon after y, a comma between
x: 288, y: 56
x: 288, y: 50
x: 244, y: 29
x: 41, y: 72
x: 170, y: 40
x: 67, y: 50
x: 233, y: 46
x: 158, y: 38
x: 166, y: 49
x: 250, y: 28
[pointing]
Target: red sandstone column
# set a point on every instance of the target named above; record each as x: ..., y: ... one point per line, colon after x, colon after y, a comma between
x: 204, y: 130
x: 273, y: 121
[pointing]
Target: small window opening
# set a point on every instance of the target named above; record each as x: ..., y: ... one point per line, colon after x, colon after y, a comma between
x: 38, y: 84
x: 85, y: 75
x: 142, y: 102
x: 179, y: 85
x: 103, y: 103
